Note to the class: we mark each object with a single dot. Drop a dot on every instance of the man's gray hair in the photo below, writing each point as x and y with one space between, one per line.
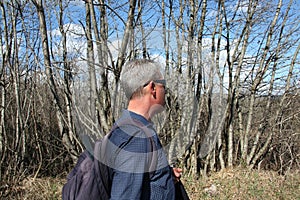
136 73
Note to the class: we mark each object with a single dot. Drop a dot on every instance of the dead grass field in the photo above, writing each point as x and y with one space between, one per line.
230 184
240 184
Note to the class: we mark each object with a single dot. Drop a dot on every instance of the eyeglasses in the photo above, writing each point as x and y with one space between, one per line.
163 82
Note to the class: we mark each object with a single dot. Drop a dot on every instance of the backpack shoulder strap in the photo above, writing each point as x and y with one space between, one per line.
148 132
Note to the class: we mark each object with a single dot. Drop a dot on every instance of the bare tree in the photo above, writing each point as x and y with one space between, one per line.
5 53
128 29
65 124
101 95
232 69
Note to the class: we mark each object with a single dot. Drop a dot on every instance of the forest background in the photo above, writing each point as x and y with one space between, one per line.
232 70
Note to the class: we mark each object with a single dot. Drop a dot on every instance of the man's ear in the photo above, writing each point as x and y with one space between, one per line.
153 89
152 84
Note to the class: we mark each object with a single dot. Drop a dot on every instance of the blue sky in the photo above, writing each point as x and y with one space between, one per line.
76 41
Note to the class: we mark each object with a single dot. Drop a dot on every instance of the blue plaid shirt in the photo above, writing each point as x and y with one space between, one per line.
135 171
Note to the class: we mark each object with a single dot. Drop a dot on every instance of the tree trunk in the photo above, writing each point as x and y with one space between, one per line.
128 29
263 66
50 78
166 36
94 100
102 96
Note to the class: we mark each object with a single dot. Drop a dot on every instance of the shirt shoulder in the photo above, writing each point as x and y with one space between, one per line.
130 138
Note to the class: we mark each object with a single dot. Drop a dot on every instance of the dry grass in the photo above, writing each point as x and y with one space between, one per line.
35 189
230 184
244 184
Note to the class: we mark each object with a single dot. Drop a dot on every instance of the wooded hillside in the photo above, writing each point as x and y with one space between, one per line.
232 71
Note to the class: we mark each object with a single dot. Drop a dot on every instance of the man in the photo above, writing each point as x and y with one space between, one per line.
138 165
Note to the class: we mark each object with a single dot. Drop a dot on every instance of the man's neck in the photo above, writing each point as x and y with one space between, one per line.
139 106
